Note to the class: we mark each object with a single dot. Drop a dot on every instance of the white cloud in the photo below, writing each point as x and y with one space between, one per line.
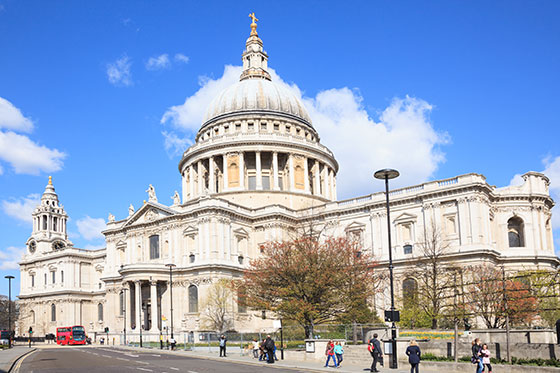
11 118
158 63
175 145
90 228
94 247
28 157
402 137
118 72
22 208
552 170
188 116
10 257
180 57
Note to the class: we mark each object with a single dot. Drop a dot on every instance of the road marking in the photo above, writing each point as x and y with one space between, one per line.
155 355
191 371
122 358
96 354
142 362
131 355
173 368
144 369
106 356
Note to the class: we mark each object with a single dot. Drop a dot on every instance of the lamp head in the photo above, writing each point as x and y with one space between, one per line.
9 277
386 173
170 265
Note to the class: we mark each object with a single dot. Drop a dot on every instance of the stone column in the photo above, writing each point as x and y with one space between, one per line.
153 306
200 178
325 182
225 173
138 305
259 171
331 184
128 305
275 171
191 180
316 179
241 171
291 170
212 176
305 175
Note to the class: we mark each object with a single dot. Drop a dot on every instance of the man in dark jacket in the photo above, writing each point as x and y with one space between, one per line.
374 348
223 342
269 345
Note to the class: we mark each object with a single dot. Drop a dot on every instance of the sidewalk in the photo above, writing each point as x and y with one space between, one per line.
234 355
9 356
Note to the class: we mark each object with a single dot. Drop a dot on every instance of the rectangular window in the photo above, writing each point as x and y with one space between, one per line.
266 182
45 278
154 247
276 127
252 182
407 249
32 280
44 223
55 221
62 277
263 127
53 277
238 127
250 127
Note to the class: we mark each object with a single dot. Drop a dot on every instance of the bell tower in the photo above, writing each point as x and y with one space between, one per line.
49 224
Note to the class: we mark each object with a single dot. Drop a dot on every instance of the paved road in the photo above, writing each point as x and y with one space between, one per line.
107 360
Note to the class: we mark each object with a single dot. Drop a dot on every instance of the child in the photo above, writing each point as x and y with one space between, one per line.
338 351
485 353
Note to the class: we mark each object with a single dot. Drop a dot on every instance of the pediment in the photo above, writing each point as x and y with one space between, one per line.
121 245
190 231
354 226
240 232
148 213
405 216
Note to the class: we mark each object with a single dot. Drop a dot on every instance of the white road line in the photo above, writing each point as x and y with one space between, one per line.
155 355
131 355
95 354
144 369
173 368
141 362
107 356
122 358
191 371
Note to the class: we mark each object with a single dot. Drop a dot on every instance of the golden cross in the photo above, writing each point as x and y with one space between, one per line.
252 15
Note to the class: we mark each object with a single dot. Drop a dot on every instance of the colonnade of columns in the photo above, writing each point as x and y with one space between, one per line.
258 170
137 312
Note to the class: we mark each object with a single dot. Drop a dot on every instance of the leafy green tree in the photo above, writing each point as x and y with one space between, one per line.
311 280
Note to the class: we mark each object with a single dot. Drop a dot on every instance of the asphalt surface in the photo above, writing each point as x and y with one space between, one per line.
98 359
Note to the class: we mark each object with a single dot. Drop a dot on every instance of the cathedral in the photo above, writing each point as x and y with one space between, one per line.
258 172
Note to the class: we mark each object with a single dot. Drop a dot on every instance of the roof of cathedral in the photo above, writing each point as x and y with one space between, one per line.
256 91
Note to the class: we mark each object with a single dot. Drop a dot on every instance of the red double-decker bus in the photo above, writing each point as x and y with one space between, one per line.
71 335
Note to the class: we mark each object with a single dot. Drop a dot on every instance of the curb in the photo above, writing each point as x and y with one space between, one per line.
20 357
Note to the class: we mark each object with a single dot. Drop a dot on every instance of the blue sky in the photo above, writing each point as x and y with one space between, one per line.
457 86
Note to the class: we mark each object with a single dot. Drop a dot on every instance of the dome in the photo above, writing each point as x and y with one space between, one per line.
258 95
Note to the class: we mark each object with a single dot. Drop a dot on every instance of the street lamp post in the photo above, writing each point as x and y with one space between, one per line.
124 314
387 174
171 265
143 306
9 310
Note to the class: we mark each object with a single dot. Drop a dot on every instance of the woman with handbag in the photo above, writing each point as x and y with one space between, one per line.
476 355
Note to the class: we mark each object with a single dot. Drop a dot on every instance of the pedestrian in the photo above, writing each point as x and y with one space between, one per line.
476 355
173 343
256 348
269 345
374 348
223 342
262 349
329 352
413 352
485 353
338 351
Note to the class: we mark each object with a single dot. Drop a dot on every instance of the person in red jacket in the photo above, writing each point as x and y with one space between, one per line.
329 351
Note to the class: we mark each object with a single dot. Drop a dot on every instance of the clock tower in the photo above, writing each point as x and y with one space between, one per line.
49 224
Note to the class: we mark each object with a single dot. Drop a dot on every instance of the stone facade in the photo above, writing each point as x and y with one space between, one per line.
256 173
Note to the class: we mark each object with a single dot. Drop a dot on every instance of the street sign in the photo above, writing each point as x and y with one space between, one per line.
392 316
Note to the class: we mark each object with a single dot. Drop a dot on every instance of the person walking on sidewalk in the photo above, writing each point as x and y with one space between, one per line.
270 346
413 352
477 356
338 351
223 342
374 348
256 347
485 353
329 352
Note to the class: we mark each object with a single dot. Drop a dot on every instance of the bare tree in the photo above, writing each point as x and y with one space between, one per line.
217 307
433 274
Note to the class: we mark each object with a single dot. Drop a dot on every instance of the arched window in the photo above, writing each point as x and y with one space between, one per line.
241 300
44 222
53 312
32 316
121 303
154 247
515 232
193 299
410 291
100 312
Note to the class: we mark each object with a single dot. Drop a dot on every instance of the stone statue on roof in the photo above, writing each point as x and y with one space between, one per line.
151 194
